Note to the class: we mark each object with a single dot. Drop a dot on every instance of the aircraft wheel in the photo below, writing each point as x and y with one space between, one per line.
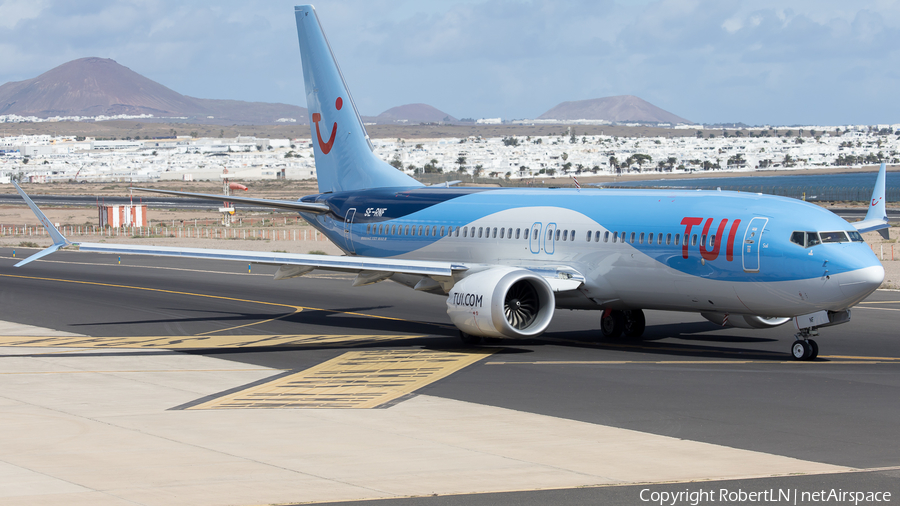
612 323
634 323
469 338
801 350
815 349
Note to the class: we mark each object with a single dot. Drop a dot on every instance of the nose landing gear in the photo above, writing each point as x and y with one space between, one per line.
805 348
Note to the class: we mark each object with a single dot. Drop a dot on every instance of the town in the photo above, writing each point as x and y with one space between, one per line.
511 160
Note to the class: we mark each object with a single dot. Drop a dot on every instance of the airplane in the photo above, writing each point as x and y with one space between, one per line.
505 258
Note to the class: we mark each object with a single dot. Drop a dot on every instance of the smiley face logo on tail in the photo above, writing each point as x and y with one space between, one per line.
316 117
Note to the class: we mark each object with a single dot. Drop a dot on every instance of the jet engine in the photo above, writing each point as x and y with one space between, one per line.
501 302
745 321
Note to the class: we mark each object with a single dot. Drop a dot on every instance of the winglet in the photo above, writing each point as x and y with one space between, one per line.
58 239
876 217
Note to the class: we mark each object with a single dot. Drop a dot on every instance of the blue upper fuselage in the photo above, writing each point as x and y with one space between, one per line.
398 222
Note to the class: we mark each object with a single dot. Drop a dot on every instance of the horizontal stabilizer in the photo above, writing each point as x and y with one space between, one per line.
290 205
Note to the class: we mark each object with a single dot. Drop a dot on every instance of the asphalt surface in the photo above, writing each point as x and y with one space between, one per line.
687 379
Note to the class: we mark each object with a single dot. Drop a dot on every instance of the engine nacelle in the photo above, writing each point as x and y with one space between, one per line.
501 302
745 321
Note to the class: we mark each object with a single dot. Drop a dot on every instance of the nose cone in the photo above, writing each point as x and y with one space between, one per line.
858 284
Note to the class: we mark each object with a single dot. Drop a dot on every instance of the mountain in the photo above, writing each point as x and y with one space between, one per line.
621 109
414 113
100 86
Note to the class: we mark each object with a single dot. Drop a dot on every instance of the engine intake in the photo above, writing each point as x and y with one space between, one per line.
501 302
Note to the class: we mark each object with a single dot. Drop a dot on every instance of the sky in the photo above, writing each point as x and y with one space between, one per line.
762 62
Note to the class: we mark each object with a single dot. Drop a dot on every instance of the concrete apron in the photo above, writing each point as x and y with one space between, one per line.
96 427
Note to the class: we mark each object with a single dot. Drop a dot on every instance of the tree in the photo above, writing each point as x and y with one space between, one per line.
510 141
565 156
396 163
461 161
572 138
613 163
551 172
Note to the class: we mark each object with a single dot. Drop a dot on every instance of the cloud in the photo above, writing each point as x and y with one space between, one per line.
760 61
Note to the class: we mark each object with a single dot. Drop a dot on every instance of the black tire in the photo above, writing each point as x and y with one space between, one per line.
635 323
815 349
469 338
801 350
612 324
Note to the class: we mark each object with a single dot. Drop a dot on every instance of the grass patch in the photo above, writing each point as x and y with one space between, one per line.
317 252
29 244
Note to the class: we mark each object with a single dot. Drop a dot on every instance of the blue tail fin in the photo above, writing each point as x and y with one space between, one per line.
344 157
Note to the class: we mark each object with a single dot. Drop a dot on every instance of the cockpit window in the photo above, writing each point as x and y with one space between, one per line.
834 236
855 236
812 239
799 238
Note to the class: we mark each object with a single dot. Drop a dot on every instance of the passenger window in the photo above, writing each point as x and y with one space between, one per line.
571 235
703 240
641 238
420 230
712 241
526 234
393 229
615 237
659 238
605 236
677 239
668 239
597 236
517 233
369 229
434 230
509 233
558 231
565 235
494 235
694 240
479 232
632 238
465 231
502 230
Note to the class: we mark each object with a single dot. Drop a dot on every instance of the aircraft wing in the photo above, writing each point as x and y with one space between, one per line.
435 274
290 205
876 217
326 262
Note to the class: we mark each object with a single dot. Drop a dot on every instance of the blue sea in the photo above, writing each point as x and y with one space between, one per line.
839 187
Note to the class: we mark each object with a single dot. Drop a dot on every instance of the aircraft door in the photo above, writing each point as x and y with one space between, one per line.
550 239
348 229
751 244
534 238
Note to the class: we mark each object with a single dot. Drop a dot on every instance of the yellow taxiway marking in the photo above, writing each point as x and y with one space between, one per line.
201 341
208 296
881 302
356 379
299 309
878 308
221 297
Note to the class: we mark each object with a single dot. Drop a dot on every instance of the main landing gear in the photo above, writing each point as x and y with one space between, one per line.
805 348
614 323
